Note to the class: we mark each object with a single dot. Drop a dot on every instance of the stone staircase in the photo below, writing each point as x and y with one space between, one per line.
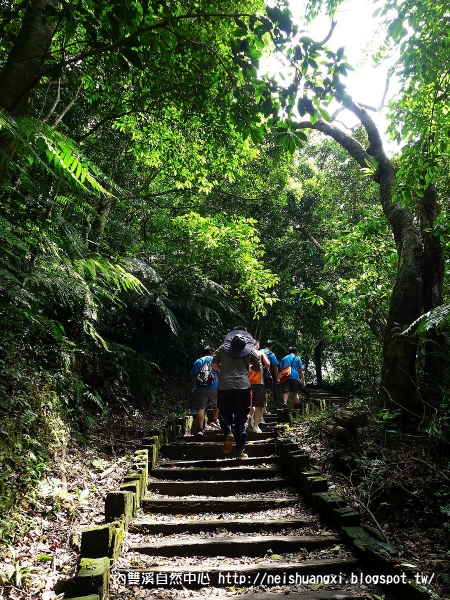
221 526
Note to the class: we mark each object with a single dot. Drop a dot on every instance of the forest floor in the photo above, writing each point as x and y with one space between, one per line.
399 485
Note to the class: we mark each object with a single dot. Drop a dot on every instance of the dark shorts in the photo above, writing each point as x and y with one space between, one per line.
204 397
258 395
291 385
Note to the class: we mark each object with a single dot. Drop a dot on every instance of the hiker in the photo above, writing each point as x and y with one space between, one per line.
234 396
206 382
296 376
273 369
258 389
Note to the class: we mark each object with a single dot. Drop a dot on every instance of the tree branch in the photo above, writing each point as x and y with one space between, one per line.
66 109
310 237
353 147
329 34
122 41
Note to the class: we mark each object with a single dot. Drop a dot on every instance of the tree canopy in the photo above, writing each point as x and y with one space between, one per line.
157 188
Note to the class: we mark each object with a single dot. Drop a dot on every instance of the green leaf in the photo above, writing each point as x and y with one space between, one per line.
240 33
274 13
241 24
132 56
324 114
44 557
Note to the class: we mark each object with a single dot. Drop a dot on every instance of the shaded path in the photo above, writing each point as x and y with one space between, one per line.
213 522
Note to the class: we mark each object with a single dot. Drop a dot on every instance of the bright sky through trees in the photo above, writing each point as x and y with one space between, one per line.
358 32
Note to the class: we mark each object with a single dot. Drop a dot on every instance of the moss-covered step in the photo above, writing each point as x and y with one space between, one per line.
250 462
210 435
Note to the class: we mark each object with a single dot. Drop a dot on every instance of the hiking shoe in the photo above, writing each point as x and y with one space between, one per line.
256 429
242 456
228 443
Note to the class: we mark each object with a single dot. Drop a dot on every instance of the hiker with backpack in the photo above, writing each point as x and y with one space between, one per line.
205 383
233 359
269 382
291 376
258 389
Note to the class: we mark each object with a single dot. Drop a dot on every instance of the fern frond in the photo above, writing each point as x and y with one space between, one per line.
90 330
112 273
143 270
10 242
437 317
54 153
168 316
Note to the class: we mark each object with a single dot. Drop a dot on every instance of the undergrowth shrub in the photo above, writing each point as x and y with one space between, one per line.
33 430
50 392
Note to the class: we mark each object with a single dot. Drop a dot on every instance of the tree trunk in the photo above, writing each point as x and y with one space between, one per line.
399 377
318 363
21 72
102 211
20 75
432 383
399 384
399 387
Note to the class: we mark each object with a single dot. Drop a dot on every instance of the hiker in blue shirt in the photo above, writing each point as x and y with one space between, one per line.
274 369
205 380
272 359
296 377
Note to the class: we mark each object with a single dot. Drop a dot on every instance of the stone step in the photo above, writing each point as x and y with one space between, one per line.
312 595
210 450
308 572
218 462
245 525
267 427
326 399
321 394
216 488
211 435
257 545
240 548
218 473
214 505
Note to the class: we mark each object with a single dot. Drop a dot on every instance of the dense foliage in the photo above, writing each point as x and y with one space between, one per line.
157 188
